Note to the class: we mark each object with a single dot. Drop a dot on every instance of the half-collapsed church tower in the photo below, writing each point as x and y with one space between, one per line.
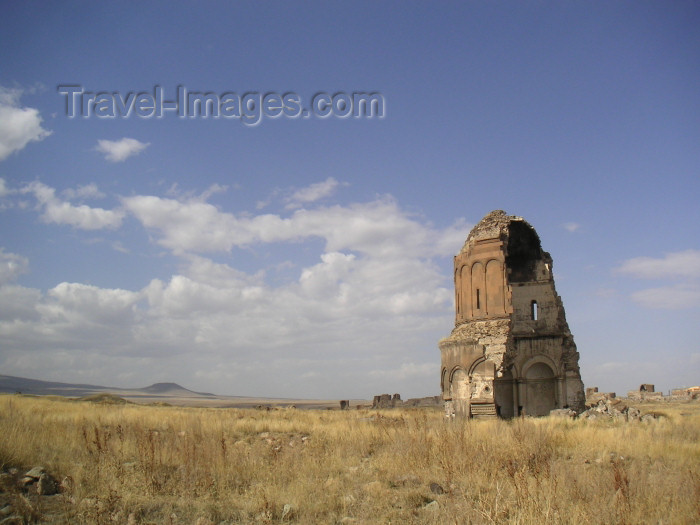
511 351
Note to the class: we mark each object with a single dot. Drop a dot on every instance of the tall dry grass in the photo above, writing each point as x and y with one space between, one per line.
146 464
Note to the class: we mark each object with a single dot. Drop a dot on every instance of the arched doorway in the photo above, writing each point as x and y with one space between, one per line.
459 392
540 389
503 394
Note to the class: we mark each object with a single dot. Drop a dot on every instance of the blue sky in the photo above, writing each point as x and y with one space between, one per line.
311 257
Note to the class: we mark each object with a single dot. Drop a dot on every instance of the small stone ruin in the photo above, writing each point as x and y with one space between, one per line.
387 401
645 392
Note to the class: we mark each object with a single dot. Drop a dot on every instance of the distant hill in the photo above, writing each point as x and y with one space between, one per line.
12 384
157 393
171 389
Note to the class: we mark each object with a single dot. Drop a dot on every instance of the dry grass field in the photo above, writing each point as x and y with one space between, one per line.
126 463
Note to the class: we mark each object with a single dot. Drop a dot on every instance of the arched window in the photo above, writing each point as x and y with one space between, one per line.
533 310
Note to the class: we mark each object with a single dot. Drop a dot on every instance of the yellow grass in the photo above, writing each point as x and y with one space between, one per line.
152 464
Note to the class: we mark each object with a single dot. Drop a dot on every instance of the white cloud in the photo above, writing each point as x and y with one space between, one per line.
4 189
379 227
120 150
18 304
669 297
18 125
91 302
88 191
605 293
672 265
571 227
409 370
212 190
682 267
373 296
11 266
63 212
312 193
118 246
212 317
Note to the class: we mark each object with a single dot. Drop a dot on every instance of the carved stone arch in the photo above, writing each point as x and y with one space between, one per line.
540 359
516 371
478 289
541 386
481 376
475 364
504 394
454 370
459 390
458 293
495 288
466 290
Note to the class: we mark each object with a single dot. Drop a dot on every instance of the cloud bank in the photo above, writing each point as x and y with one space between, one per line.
18 125
682 267
120 150
366 310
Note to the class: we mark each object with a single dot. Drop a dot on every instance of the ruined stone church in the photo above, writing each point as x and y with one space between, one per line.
511 351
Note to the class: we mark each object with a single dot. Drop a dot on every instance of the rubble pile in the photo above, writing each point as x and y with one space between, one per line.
612 408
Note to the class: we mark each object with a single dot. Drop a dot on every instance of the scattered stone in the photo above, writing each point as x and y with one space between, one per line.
287 511
598 396
46 486
563 413
26 481
410 480
436 488
35 473
66 485
432 506
612 409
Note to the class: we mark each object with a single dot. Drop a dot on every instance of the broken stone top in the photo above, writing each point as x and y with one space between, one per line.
496 225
